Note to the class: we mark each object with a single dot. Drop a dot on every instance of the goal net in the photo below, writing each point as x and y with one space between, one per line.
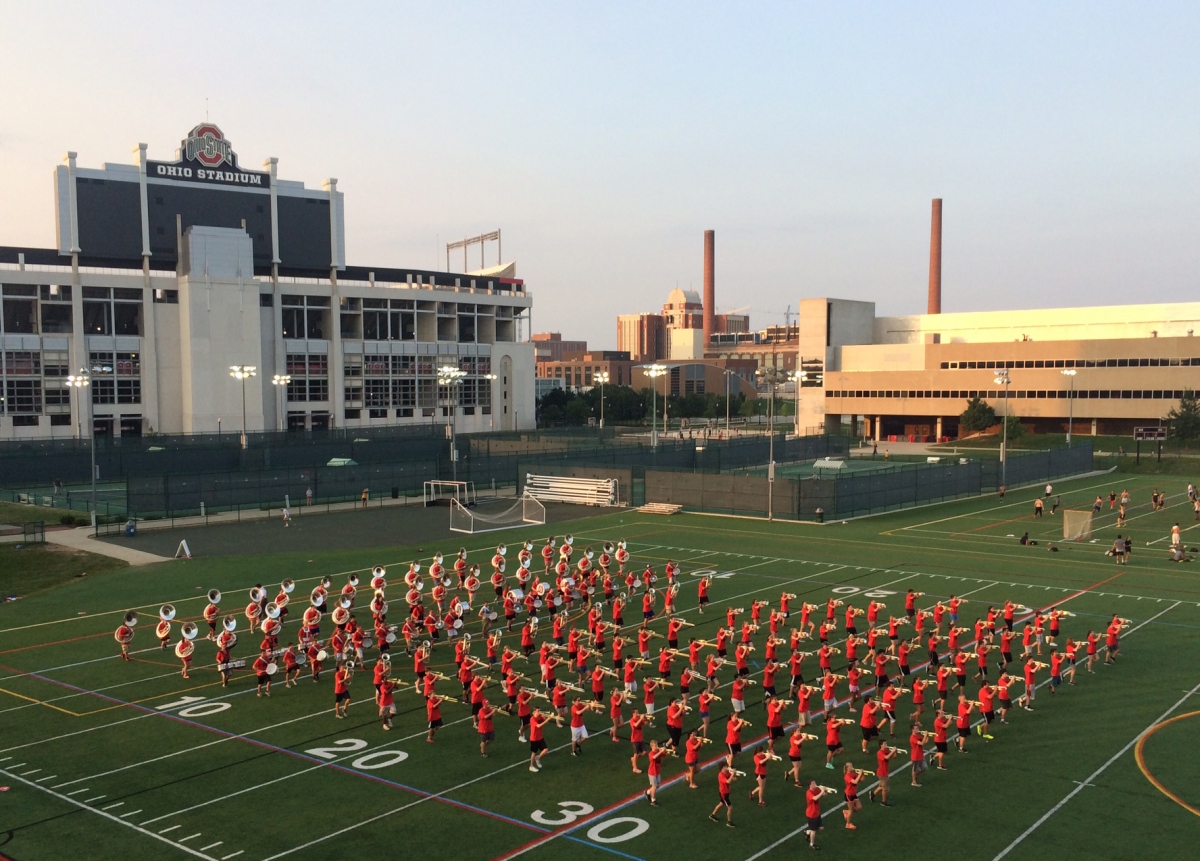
1077 525
443 492
490 516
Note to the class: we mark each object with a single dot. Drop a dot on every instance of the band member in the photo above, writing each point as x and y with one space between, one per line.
433 710
486 729
965 707
163 632
795 753
124 636
260 672
702 592
341 692
291 666
537 740
704 706
223 660
852 777
654 770
579 732
941 724
183 651
211 614
637 724
812 809
314 649
726 776
387 702
761 758
986 704
883 772
833 738
916 752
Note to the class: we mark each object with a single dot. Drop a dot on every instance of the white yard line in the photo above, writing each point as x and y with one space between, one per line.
108 816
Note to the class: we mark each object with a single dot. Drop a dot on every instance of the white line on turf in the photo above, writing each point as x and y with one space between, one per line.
169 830
131 813
1152 618
1035 826
190 837
211 846
108 816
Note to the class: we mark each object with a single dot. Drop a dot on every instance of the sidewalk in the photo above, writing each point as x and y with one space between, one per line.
81 539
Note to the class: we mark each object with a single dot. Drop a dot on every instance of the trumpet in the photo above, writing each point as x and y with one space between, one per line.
774 756
739 773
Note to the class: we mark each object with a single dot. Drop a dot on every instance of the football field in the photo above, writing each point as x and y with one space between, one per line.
106 759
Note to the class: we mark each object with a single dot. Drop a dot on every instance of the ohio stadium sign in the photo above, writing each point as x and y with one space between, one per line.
207 156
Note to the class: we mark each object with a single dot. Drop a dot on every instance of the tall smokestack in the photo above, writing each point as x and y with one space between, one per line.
710 288
935 259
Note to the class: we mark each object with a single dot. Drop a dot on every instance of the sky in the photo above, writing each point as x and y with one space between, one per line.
603 139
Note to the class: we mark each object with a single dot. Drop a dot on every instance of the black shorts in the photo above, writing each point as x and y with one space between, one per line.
775 732
537 746
639 747
524 720
944 695
940 745
834 748
793 758
512 700
881 682
890 715
344 696
962 680
911 612
1006 704
487 736
851 631
814 823
672 644
870 732
735 748
964 731
618 663
1007 656
434 724
768 690
989 716
904 670
703 600
797 680
676 733
722 652
263 679
743 671
724 796
475 708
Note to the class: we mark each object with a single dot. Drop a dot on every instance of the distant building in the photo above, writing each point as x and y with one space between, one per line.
550 346
580 370
676 333
642 336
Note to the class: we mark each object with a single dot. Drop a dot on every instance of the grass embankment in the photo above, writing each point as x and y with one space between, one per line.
38 567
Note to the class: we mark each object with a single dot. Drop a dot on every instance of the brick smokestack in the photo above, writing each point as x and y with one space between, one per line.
710 287
935 259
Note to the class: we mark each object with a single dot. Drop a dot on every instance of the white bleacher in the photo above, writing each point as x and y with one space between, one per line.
829 463
577 491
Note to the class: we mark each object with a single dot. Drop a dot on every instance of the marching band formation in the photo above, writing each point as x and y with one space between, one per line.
876 672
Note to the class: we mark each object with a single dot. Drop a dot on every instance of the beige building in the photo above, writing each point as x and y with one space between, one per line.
913 376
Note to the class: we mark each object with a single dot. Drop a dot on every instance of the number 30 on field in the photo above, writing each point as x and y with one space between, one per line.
572 810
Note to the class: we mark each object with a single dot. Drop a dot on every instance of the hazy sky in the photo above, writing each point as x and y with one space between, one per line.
604 138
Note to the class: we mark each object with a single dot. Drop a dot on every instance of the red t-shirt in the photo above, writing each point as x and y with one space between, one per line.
577 711
340 685
812 807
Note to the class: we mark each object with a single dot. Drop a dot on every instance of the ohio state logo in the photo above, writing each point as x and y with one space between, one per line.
207 145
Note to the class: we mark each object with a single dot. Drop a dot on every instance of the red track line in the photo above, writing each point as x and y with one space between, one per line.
53 643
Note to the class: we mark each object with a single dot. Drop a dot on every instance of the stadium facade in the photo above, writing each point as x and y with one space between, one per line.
167 273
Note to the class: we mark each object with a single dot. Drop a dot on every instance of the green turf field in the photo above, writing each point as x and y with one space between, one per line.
104 759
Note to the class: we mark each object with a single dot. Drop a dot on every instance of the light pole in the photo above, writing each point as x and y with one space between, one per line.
653 372
243 373
81 381
451 376
491 378
281 382
772 377
601 378
1002 379
1070 373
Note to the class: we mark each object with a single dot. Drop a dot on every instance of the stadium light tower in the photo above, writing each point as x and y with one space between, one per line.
654 371
243 373
772 377
1069 373
602 378
79 382
1003 379
281 382
451 376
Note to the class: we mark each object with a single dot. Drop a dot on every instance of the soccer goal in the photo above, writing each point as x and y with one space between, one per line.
444 492
490 516
1077 525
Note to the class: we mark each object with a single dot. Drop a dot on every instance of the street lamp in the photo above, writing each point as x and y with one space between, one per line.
451 376
82 380
654 371
772 377
1070 373
491 409
601 378
1002 379
281 382
242 373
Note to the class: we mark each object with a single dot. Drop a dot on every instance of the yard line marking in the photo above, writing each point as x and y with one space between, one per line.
211 846
233 855
1034 827
47 777
1152 618
131 813
97 798
189 837
27 773
83 694
168 830
77 792
111 806
82 805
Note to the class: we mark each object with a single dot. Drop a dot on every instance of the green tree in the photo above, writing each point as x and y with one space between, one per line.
1016 430
978 416
1184 420
578 411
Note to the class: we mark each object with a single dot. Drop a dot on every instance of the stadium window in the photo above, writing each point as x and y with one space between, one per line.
1142 363
1158 394
1042 394
945 366
1126 394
